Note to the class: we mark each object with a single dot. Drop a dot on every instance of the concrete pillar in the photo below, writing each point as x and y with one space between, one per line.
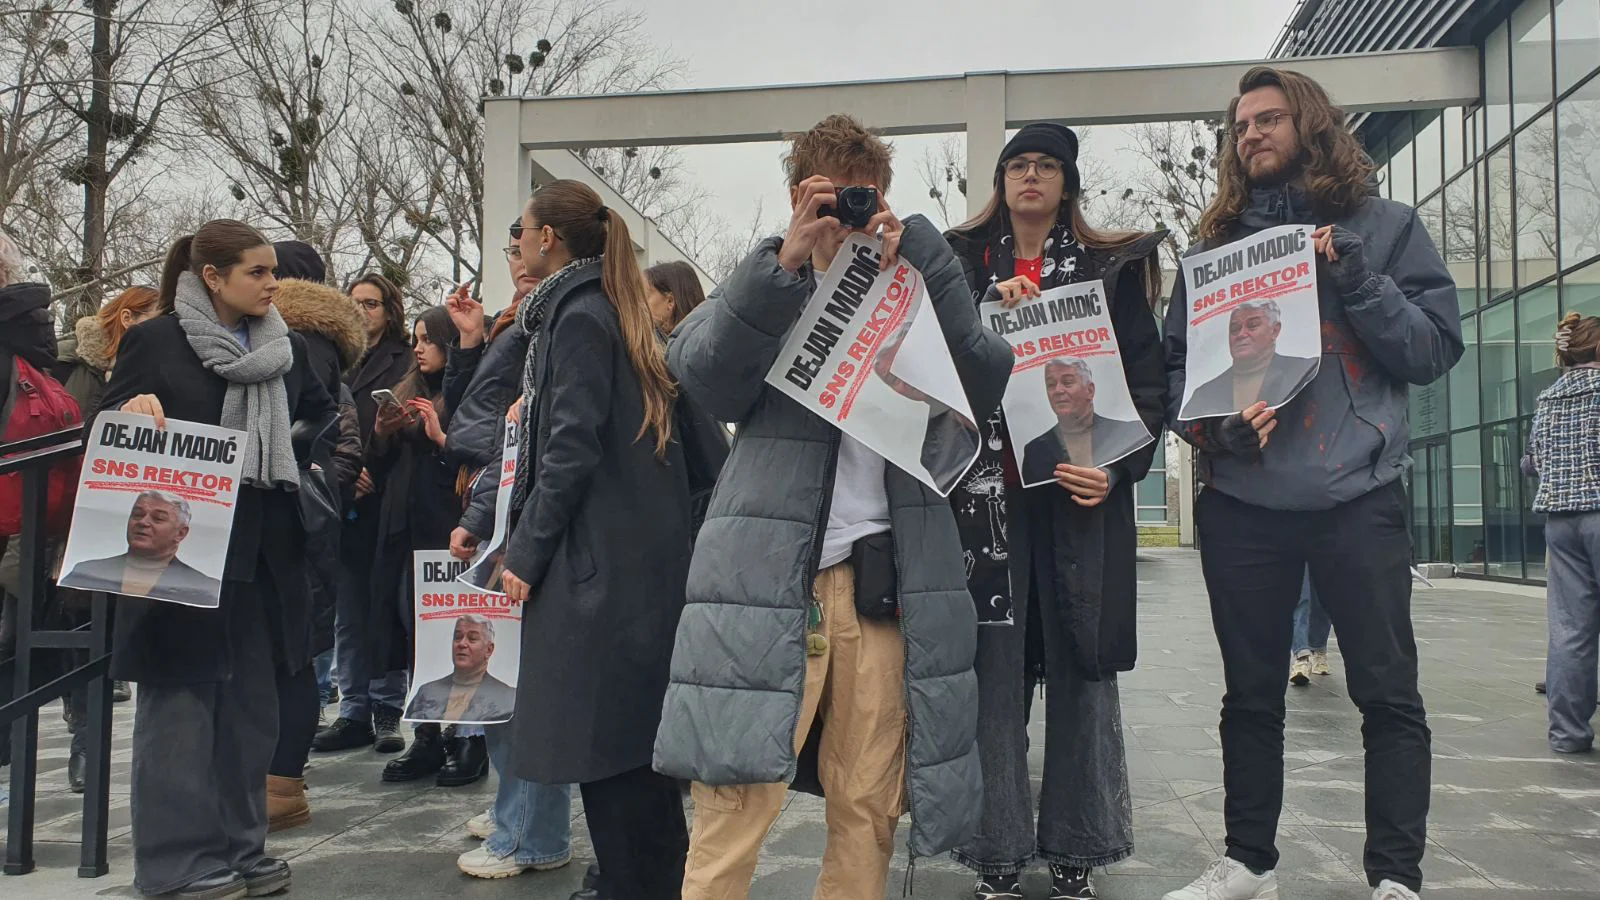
986 134
507 175
1183 461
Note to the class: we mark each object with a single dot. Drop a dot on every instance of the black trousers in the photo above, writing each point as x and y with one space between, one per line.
640 838
1360 555
298 705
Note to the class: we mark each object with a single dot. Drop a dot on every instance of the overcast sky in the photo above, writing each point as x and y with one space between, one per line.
759 42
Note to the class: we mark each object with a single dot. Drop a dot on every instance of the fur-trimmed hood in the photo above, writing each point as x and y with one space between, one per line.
88 345
318 308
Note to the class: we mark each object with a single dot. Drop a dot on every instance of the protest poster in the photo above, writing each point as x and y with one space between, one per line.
1067 400
867 356
154 512
1255 333
488 566
468 645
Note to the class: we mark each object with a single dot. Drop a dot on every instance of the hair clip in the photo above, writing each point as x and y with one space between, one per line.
1564 338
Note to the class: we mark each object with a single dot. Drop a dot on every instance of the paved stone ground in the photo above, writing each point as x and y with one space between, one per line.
1510 818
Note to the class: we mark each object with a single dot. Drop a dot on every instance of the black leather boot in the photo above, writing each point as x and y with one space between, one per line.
466 761
266 876
423 758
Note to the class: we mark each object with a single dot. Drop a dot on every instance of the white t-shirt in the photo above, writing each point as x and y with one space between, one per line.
860 504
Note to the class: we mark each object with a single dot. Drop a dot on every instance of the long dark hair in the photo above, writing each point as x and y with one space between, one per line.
677 280
574 211
996 215
394 309
1338 173
435 321
218 243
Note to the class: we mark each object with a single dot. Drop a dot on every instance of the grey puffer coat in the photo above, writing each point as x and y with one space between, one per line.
738 670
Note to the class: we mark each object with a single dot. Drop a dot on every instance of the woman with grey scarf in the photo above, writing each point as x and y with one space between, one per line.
207 715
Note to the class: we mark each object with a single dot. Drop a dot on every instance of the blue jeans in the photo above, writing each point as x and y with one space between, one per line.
1311 625
324 667
532 821
359 688
1574 602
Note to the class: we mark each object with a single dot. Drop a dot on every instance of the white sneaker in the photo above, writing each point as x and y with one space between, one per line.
480 863
1229 879
481 826
1319 663
1300 672
1389 890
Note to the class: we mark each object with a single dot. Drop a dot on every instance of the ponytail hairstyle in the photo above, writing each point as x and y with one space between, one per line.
574 211
677 280
218 243
1578 340
137 300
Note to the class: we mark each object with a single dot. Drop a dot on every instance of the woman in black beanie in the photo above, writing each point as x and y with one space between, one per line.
1055 584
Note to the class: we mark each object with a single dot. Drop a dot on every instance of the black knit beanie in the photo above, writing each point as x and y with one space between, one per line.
1053 140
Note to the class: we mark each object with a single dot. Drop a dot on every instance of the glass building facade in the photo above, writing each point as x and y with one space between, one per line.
1510 192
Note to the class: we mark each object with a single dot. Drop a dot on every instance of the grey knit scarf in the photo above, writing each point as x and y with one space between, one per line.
530 315
256 401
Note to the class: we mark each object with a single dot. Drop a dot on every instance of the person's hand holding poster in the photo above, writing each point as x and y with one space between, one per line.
468 647
154 512
862 358
488 565
1067 400
1255 333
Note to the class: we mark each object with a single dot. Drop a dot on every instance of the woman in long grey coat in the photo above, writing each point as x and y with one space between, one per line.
600 549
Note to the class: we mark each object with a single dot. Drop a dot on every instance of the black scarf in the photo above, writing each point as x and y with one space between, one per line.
979 500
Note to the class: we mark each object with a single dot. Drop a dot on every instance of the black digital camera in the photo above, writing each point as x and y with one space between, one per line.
857 206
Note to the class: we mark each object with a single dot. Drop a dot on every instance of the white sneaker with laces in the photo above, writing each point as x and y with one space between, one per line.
482 825
1228 879
1389 890
480 863
1319 663
1300 671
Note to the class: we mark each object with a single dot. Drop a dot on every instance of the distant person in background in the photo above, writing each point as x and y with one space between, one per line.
672 289
371 691
1564 444
1311 630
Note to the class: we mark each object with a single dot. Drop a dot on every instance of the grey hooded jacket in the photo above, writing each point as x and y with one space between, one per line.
738 669
1346 433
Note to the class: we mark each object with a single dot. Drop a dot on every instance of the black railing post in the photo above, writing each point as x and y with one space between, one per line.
25 730
97 774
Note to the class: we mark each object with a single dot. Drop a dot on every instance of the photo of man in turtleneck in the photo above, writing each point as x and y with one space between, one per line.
469 694
1080 436
1259 372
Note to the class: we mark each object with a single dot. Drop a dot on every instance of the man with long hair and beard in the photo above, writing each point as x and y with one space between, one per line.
1318 481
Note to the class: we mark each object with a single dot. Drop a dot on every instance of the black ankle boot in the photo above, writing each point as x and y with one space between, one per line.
425 756
466 761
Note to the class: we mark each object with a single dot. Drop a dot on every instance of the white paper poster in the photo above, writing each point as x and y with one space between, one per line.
468 647
487 566
154 512
1255 333
867 355
1067 400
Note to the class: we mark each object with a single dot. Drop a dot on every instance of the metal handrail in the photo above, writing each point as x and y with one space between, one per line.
33 459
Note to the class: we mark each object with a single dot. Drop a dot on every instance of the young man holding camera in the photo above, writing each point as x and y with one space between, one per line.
779 674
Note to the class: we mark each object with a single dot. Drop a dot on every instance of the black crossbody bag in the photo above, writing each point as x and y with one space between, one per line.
877 582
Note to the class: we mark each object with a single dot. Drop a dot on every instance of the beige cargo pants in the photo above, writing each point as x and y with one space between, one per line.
857 687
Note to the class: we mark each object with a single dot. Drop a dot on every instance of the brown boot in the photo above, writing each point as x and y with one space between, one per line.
286 803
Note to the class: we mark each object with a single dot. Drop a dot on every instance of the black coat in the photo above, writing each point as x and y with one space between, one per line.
1084 559
603 538
383 366
1285 376
164 643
